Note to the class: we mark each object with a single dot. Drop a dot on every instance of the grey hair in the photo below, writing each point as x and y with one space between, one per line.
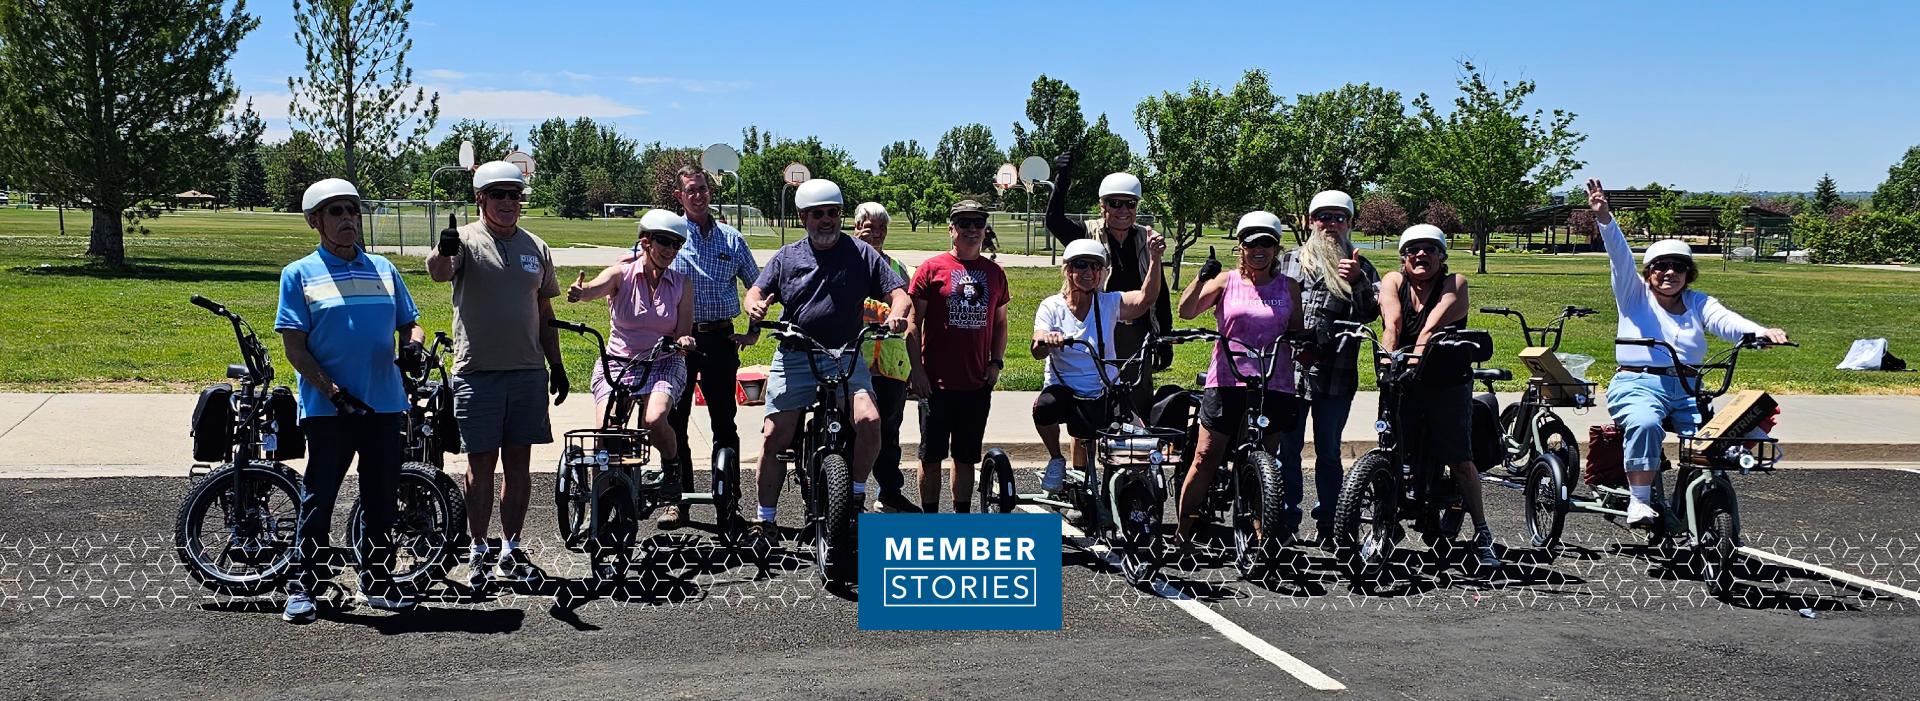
873 211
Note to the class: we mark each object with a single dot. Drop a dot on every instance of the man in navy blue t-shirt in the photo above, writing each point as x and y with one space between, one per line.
340 310
822 284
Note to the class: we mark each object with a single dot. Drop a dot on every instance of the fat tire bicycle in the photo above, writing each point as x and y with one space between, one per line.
430 517
238 523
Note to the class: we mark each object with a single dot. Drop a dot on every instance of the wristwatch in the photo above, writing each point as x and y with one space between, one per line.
997 364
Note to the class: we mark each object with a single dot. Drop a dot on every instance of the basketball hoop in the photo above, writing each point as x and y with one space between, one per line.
1007 178
524 161
796 173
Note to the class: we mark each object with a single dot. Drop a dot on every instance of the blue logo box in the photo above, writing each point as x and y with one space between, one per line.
959 572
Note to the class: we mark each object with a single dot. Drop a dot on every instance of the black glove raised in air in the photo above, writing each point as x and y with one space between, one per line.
450 239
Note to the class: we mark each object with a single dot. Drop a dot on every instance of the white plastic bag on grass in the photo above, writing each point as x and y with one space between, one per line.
1864 355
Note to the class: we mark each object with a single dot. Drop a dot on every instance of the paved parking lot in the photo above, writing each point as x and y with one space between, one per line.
93 604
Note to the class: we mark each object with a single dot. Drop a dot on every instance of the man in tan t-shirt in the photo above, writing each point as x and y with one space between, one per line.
506 358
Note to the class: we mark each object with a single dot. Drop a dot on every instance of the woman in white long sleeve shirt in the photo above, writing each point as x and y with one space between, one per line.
1656 301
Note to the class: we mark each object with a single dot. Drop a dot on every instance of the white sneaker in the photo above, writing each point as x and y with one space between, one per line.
1055 474
1641 515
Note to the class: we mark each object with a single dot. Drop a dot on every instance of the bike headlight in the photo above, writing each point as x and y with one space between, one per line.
833 427
1155 457
1260 421
601 457
1381 426
1747 461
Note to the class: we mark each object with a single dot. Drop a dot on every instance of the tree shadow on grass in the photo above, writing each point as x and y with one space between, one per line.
164 269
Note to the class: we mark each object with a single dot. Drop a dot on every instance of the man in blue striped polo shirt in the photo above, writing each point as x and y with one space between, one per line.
341 309
714 258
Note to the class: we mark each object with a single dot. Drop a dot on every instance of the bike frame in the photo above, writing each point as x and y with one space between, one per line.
826 430
1527 435
1431 484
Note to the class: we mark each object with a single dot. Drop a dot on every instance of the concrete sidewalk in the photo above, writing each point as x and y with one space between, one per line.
124 435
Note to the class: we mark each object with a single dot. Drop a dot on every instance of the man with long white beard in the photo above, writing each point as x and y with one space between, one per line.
1336 284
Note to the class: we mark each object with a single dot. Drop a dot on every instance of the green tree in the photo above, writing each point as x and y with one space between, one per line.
1344 139
1901 191
968 158
663 164
354 97
1826 195
1189 142
119 104
246 184
900 149
912 188
1489 157
292 165
766 156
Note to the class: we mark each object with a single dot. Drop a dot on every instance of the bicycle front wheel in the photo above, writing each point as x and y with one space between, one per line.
237 527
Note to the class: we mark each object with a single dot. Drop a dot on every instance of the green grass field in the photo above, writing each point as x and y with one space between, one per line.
65 325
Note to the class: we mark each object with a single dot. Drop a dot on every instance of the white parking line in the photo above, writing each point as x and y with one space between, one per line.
1829 572
1266 651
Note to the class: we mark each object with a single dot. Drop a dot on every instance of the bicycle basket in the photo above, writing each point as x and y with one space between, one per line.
290 440
212 427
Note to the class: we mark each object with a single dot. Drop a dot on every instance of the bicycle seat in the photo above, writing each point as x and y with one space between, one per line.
1492 374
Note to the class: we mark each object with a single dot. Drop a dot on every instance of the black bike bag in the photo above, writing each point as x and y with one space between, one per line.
212 428
284 409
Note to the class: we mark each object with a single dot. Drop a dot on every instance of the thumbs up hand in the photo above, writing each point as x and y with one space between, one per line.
1211 268
1350 265
578 288
450 238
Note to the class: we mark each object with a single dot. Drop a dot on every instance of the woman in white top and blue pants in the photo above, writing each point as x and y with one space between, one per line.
1656 301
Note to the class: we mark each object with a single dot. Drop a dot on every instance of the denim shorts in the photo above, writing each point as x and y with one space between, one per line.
791 383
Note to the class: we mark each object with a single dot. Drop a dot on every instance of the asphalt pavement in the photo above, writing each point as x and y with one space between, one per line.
93 604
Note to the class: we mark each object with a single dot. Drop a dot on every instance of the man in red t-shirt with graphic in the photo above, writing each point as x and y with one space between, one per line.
956 347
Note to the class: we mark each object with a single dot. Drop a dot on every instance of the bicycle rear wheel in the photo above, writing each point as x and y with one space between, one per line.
429 526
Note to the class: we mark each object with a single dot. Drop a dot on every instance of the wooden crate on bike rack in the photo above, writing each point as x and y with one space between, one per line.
1557 386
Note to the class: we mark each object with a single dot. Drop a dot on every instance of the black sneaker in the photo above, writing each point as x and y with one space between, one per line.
896 503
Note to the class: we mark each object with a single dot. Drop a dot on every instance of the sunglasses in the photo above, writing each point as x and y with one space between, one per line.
970 223
1084 265
1671 266
1121 203
1416 250
824 213
1330 218
503 194
1262 242
667 241
343 210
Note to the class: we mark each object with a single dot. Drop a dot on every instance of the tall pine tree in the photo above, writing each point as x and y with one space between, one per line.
118 104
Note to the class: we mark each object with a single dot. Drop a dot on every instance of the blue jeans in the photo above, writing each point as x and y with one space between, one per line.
1639 402
1329 419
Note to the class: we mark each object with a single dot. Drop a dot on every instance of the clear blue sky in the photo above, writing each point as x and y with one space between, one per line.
1761 95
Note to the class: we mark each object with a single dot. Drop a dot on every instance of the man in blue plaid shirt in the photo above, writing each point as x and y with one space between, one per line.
714 258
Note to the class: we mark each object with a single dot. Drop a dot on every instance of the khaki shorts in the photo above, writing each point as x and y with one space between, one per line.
501 408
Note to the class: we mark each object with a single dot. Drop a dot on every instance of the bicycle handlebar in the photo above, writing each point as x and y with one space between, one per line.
209 305
565 325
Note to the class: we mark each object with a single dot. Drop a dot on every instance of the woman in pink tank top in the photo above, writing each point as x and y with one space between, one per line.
1253 305
647 301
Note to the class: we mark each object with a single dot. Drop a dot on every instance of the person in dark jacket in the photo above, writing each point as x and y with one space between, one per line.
1119 230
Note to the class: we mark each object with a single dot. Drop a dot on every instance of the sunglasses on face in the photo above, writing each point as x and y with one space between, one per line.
1330 218
1670 266
970 223
833 213
503 194
343 210
666 241
1121 203
1081 266
1262 242
1417 250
